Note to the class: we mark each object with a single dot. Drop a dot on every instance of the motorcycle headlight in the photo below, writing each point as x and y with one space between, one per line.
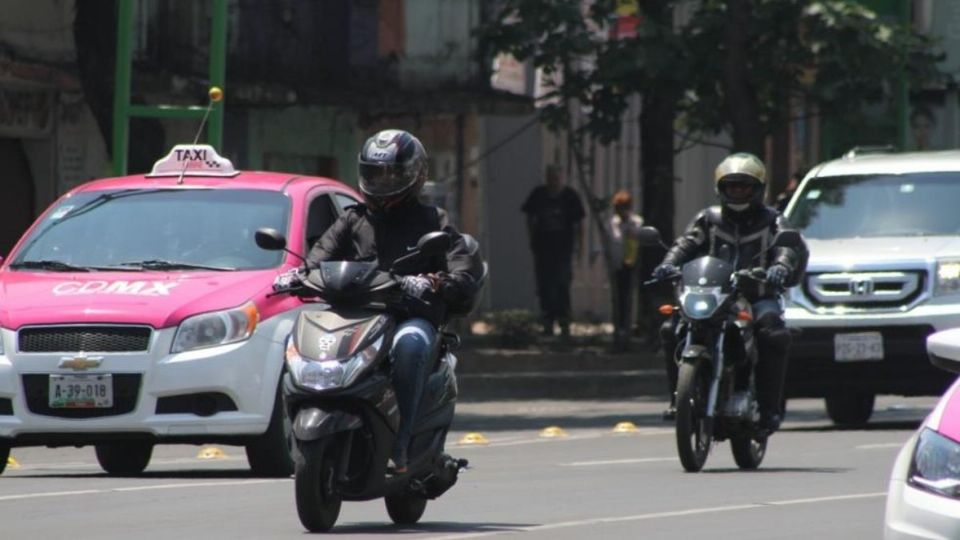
948 277
329 374
936 465
216 328
700 302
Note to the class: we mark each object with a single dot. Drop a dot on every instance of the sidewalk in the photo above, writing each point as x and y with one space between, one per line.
584 369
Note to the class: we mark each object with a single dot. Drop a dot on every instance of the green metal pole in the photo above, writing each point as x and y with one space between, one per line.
218 70
121 92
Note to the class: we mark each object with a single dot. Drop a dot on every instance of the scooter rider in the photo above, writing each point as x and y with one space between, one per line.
392 167
741 231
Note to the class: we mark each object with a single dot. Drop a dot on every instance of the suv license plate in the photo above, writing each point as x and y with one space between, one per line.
81 391
858 347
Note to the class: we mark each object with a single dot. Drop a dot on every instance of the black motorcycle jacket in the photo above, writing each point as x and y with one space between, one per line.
743 239
363 235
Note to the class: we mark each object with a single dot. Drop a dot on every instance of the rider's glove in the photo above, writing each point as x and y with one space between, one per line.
416 286
665 271
288 280
777 274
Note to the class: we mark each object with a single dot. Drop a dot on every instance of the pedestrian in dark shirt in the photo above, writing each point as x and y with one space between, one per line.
554 217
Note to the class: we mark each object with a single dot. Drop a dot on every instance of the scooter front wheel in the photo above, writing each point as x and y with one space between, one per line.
694 429
318 502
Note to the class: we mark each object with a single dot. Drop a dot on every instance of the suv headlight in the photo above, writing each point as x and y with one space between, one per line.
935 466
948 277
329 374
216 328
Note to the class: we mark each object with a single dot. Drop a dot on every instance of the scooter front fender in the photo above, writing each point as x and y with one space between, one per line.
312 423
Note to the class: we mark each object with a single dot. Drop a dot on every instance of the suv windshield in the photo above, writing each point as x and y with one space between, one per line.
919 204
162 229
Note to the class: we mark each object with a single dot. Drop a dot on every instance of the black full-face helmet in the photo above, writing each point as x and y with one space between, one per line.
393 167
741 180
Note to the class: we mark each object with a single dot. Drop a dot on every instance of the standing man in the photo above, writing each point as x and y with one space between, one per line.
625 250
554 217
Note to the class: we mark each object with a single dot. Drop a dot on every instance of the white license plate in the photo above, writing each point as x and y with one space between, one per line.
81 391
858 347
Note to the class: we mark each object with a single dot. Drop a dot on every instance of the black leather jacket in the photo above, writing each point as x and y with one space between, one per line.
362 235
742 238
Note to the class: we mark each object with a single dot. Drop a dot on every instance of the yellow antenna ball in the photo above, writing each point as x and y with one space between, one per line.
216 94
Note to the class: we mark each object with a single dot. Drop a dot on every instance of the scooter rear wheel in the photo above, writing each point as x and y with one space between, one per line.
318 503
694 429
405 509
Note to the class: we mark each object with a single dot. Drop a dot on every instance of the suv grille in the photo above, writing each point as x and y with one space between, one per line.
84 338
866 290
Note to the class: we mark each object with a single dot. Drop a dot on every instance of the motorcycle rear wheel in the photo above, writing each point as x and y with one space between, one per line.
405 509
748 451
694 429
318 503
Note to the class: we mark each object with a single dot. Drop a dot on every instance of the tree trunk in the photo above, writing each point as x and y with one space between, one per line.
741 96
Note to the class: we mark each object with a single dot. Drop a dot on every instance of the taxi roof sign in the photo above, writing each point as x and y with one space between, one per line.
193 160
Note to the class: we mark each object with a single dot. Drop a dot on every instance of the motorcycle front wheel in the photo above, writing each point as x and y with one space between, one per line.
748 451
318 503
694 430
406 508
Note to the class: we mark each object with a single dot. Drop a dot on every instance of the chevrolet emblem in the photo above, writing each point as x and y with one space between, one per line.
80 363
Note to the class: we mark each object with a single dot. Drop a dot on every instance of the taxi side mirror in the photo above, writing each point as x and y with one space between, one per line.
270 239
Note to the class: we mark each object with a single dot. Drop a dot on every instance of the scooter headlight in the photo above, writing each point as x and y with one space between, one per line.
936 465
329 374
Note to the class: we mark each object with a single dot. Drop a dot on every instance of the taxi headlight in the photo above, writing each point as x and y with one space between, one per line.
216 328
948 277
329 374
935 466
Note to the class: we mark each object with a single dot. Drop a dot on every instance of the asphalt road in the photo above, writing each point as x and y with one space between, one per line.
816 482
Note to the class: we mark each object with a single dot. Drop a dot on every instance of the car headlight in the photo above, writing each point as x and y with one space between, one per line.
216 328
329 374
948 277
936 465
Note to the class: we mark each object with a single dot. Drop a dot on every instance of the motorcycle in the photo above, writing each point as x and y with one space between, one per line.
338 395
716 396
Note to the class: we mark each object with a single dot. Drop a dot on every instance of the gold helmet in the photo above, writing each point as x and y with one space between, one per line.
743 170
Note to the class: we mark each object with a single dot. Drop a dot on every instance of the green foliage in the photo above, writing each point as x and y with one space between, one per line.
513 328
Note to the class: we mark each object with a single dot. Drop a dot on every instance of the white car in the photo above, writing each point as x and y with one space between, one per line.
923 498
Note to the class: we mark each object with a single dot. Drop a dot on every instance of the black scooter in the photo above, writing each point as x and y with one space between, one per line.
338 394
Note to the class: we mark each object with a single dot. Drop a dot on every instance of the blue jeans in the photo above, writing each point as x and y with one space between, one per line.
411 349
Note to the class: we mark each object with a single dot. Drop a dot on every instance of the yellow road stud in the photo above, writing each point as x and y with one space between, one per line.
211 452
474 438
553 432
12 463
625 427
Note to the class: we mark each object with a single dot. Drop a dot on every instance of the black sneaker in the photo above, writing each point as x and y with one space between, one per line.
395 469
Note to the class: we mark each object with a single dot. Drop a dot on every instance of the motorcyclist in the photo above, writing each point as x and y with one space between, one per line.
392 167
741 231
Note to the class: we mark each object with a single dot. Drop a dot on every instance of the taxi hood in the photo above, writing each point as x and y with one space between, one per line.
157 299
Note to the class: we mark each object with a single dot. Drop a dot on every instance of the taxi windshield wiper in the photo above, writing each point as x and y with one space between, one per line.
55 266
160 264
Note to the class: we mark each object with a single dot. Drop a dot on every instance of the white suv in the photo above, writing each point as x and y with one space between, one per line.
884 236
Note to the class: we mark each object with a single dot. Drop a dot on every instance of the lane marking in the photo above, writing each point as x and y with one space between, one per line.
62 465
141 488
663 515
617 462
879 446
512 442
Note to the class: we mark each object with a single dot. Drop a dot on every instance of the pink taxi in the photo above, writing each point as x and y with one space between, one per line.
137 311
923 498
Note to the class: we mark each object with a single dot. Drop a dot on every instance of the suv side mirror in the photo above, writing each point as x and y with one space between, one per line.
944 349
270 239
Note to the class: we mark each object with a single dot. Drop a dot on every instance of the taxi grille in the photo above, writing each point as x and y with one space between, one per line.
84 338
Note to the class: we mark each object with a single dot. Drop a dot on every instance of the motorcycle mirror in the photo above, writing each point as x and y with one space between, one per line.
944 350
270 239
434 243
649 236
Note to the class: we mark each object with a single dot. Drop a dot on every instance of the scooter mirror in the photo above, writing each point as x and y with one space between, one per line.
434 243
649 236
270 239
944 349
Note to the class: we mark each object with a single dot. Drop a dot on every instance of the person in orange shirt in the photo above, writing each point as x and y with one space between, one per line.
624 227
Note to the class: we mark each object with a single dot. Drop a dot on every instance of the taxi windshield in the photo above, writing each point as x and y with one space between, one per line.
917 204
156 229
